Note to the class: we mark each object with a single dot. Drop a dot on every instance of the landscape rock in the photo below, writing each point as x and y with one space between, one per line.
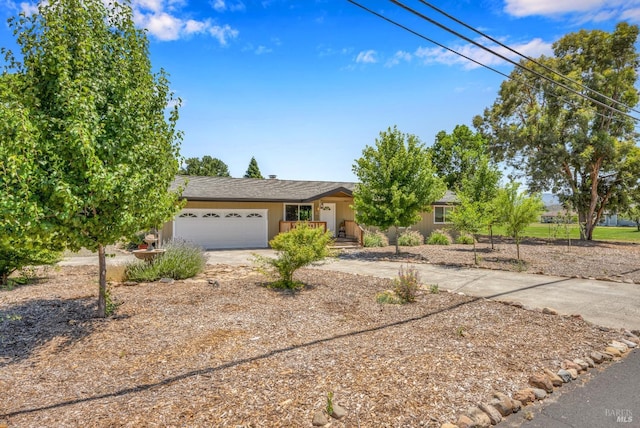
589 361
167 280
338 412
607 356
549 311
614 352
525 396
582 363
597 357
573 373
492 412
568 364
629 343
480 418
541 382
554 378
540 394
465 421
320 419
517 405
448 425
502 403
619 346
564 375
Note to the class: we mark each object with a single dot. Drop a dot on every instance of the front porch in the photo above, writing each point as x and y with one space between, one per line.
349 234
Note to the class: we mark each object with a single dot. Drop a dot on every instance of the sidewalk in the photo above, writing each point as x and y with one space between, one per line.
609 304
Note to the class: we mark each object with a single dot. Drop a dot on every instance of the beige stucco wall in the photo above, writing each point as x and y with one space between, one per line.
275 212
425 226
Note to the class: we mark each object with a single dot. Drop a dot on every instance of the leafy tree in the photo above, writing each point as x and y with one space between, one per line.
397 182
633 213
253 171
517 211
455 155
105 150
26 237
579 148
296 249
208 166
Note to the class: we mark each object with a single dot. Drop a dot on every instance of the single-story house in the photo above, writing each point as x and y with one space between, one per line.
223 212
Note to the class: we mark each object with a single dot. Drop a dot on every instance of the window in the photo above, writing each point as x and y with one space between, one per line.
441 214
254 215
188 215
233 215
298 212
210 215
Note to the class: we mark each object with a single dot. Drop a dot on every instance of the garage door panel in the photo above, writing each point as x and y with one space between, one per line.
223 228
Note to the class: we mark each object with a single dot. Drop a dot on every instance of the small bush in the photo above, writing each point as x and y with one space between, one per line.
180 260
464 239
388 296
296 248
375 239
407 284
439 237
410 238
434 289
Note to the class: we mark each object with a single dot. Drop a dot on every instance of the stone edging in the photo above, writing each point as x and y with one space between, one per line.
500 405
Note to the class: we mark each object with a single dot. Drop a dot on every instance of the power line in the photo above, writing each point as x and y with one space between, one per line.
464 24
467 39
458 53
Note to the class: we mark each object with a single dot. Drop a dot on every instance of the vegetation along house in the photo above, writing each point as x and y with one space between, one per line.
223 212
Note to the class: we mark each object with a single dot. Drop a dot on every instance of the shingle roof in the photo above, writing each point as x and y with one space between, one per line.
268 190
252 189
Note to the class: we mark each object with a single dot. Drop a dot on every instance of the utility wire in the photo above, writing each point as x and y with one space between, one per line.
456 52
467 39
510 49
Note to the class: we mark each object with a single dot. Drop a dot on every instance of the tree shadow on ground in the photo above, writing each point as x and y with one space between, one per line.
30 325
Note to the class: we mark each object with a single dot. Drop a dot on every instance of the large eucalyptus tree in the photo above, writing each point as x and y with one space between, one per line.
578 142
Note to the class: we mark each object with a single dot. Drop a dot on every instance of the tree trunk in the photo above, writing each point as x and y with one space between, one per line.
102 287
638 226
517 239
491 236
397 236
4 277
475 254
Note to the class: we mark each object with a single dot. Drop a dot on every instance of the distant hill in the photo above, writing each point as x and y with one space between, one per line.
549 200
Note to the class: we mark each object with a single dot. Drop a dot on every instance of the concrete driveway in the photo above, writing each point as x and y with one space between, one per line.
604 303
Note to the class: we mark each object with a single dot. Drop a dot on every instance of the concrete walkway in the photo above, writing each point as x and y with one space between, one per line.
604 303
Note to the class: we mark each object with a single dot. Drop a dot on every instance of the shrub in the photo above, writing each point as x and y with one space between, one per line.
180 260
407 284
375 239
434 289
439 237
296 248
388 296
464 239
410 238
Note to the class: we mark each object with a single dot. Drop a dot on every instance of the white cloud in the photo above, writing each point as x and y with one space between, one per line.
367 57
223 33
398 57
163 21
260 50
224 5
580 10
533 48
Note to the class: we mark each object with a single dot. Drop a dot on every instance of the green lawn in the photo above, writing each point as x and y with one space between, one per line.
601 233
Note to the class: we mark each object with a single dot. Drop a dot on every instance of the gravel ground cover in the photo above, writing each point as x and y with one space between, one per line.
223 350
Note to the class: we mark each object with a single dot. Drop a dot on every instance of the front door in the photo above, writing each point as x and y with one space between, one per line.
328 215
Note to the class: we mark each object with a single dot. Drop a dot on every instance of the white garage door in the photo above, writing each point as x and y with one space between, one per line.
228 228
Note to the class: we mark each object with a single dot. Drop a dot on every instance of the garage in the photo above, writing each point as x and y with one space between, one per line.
223 228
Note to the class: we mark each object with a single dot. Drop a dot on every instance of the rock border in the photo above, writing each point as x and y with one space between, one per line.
501 405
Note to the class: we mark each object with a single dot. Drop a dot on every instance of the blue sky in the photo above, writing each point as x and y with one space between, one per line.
305 85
